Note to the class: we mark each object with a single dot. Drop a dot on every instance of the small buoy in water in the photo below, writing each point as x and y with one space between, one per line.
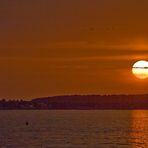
27 123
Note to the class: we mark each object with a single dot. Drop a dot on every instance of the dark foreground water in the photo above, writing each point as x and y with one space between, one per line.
74 129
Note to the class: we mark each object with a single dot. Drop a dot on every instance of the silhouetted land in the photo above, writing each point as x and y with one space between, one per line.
80 102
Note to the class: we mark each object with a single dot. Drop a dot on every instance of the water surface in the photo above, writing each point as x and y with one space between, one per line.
74 129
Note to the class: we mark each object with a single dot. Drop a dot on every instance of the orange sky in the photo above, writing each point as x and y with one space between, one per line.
60 47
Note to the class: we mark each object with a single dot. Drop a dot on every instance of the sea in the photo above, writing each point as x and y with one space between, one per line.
73 129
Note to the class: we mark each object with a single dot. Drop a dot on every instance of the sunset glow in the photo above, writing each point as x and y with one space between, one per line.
54 47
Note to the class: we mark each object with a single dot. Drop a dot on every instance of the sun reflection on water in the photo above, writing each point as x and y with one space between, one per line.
139 133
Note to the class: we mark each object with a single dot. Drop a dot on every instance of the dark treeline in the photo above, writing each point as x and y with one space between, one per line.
80 102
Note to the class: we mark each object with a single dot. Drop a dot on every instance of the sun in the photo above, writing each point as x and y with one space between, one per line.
140 69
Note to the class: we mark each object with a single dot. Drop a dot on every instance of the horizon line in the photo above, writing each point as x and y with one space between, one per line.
16 99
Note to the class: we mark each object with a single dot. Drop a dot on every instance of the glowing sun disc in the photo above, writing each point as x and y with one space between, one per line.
140 69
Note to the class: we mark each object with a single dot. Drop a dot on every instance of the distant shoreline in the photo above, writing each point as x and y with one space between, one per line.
80 102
